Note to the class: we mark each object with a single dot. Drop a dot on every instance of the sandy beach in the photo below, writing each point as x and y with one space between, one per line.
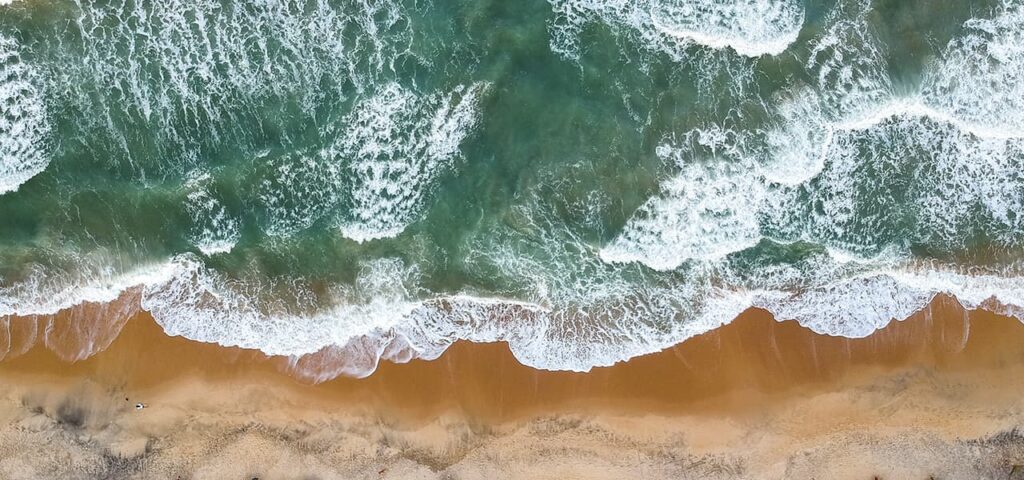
934 396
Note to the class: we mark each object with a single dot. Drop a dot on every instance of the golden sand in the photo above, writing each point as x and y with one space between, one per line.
937 395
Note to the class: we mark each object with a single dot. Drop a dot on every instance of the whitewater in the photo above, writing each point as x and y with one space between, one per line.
593 181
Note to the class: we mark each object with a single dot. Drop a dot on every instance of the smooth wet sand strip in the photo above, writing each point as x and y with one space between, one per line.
936 395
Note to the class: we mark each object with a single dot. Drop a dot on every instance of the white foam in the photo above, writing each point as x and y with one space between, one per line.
706 217
862 172
214 229
981 80
197 71
299 190
957 182
46 291
389 325
396 145
957 166
917 107
751 28
382 315
379 313
23 123
858 306
972 88
848 67
596 315
390 151
706 212
799 146
200 304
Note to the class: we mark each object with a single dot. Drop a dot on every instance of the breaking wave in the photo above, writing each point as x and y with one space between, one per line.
751 28
23 123
856 168
384 315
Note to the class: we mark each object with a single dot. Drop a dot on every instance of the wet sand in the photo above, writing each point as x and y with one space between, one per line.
938 395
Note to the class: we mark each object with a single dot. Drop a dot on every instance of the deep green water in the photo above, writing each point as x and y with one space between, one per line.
587 179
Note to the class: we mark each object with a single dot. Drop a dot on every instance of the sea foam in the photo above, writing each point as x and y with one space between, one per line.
751 28
707 211
373 179
849 164
214 230
383 319
395 146
23 123
196 75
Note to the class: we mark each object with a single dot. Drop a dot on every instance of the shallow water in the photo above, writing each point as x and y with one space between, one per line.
589 180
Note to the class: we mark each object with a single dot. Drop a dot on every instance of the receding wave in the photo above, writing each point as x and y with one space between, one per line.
381 316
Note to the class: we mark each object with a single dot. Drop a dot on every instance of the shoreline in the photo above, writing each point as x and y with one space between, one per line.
936 394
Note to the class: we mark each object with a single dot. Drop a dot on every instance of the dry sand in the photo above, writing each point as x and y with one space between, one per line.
936 396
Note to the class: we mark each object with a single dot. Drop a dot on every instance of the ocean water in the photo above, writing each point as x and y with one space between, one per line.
588 180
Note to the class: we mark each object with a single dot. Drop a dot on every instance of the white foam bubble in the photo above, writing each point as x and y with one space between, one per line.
380 315
856 307
850 144
200 304
594 313
389 152
850 80
23 123
702 217
864 173
383 316
910 177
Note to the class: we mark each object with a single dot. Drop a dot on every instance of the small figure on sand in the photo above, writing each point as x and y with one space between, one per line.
140 406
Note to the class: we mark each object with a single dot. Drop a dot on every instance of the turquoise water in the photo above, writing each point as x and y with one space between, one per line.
589 180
